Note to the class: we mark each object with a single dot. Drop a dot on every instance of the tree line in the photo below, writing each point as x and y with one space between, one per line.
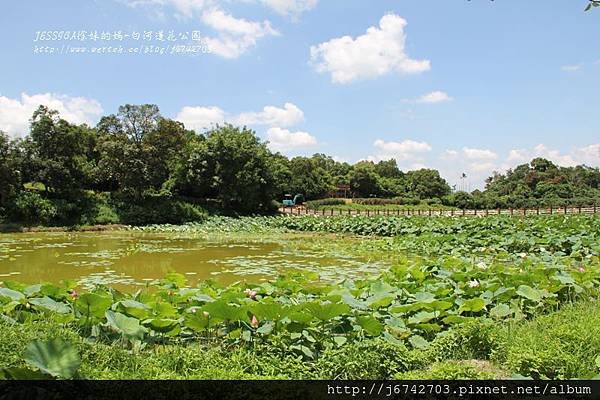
139 167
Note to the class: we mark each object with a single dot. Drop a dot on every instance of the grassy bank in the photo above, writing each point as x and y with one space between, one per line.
563 344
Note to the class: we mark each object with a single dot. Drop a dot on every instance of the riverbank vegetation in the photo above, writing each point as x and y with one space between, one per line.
137 167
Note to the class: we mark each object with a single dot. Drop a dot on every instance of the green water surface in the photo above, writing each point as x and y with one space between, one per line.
133 259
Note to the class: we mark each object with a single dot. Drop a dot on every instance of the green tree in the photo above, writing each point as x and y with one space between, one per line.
541 182
138 120
162 148
309 179
10 176
364 181
279 165
426 184
139 150
122 166
61 153
231 165
388 169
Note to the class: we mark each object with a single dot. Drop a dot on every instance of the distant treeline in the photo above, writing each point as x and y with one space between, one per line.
138 167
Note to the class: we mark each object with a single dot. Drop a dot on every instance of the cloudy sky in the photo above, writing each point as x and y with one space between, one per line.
461 86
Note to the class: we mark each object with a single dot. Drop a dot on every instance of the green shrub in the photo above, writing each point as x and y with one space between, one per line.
383 202
371 359
86 208
31 208
105 214
475 340
159 210
69 212
316 204
432 202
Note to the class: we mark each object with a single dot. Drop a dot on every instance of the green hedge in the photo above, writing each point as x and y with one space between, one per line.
316 204
158 210
382 201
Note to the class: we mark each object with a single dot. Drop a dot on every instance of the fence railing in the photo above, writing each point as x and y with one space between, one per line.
332 211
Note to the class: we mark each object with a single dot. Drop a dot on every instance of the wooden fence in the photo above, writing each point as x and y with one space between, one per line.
327 212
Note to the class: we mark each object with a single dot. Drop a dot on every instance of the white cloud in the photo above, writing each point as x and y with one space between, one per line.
282 139
200 118
416 166
340 159
235 35
226 23
565 160
480 167
379 51
571 68
521 156
517 156
15 113
405 151
289 115
290 7
589 155
434 97
405 147
479 154
450 154
477 164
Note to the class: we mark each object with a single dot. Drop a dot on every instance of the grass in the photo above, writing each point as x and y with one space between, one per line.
562 344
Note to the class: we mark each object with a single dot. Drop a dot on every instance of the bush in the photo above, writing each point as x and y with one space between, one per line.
432 202
371 359
105 214
31 208
86 208
393 201
315 204
475 340
159 210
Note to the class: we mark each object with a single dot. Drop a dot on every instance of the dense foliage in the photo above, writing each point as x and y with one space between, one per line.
539 183
132 165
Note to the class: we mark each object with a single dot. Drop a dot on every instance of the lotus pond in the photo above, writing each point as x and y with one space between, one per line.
307 297
132 259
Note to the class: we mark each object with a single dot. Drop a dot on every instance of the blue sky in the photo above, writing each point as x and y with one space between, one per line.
449 84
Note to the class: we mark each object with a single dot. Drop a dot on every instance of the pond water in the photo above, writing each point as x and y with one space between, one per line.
130 259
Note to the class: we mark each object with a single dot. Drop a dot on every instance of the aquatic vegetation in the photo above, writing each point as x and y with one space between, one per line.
411 283
412 303
573 234
46 360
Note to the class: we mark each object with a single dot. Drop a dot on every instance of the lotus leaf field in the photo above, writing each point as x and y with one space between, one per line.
461 298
